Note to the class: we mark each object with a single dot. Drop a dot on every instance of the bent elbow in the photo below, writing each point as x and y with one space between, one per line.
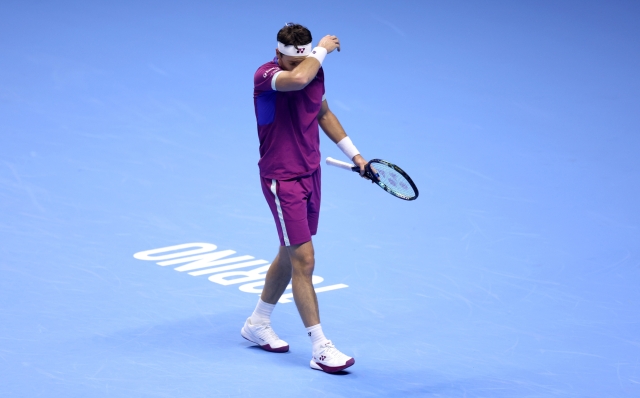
323 116
301 81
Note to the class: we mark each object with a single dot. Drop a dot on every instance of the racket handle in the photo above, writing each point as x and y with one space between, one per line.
337 163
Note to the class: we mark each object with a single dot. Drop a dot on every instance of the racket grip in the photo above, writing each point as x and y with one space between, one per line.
337 163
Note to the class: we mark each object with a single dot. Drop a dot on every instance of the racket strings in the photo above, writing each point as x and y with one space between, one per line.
393 180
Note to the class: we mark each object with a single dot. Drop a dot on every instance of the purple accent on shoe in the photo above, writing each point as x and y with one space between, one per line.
267 347
333 369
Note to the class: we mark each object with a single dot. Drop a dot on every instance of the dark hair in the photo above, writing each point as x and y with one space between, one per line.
295 35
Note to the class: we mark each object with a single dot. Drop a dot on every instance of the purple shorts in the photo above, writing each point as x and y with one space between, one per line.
295 205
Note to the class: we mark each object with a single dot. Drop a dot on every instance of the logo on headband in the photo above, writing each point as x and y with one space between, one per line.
291 50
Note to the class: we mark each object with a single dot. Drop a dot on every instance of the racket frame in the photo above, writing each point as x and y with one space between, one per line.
374 177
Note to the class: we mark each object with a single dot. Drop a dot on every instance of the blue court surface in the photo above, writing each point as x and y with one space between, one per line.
127 128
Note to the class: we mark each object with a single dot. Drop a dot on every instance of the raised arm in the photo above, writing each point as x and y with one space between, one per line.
303 69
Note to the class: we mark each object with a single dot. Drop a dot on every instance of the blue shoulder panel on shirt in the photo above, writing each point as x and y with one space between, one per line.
266 105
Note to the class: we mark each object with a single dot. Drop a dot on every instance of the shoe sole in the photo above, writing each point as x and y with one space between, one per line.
331 369
266 347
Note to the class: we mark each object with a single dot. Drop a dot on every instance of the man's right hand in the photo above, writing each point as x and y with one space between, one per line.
330 43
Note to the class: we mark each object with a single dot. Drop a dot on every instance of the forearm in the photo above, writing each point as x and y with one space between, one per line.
306 71
333 129
302 74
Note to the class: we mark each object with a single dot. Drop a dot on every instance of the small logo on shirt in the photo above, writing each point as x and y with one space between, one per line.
265 74
309 333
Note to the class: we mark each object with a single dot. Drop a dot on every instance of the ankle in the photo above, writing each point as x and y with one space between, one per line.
262 313
317 336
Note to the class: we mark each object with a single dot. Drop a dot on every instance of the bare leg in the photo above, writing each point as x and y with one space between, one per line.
302 262
257 328
278 277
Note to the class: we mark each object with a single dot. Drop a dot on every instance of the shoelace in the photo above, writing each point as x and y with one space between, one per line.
329 350
266 333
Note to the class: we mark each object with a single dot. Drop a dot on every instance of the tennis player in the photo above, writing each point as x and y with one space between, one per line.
290 104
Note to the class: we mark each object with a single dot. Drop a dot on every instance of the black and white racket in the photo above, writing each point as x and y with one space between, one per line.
387 175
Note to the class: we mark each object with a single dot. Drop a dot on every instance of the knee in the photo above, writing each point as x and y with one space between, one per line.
305 264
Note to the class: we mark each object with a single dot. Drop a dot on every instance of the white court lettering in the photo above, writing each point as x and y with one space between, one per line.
199 264
228 267
286 298
253 286
207 256
149 254
203 259
246 276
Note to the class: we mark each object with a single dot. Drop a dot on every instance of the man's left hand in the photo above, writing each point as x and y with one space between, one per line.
360 162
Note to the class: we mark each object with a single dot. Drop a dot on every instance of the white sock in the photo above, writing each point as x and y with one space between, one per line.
262 313
317 337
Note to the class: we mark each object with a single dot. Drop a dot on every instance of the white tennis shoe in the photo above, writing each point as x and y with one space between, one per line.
263 336
328 359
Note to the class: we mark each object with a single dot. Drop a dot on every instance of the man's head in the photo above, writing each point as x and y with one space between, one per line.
297 36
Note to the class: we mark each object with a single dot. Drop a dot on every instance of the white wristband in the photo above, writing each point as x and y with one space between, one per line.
347 147
318 53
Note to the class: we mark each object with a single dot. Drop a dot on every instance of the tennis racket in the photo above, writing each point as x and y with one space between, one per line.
387 175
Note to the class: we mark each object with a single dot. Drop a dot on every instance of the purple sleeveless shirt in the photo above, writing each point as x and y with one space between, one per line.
287 125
